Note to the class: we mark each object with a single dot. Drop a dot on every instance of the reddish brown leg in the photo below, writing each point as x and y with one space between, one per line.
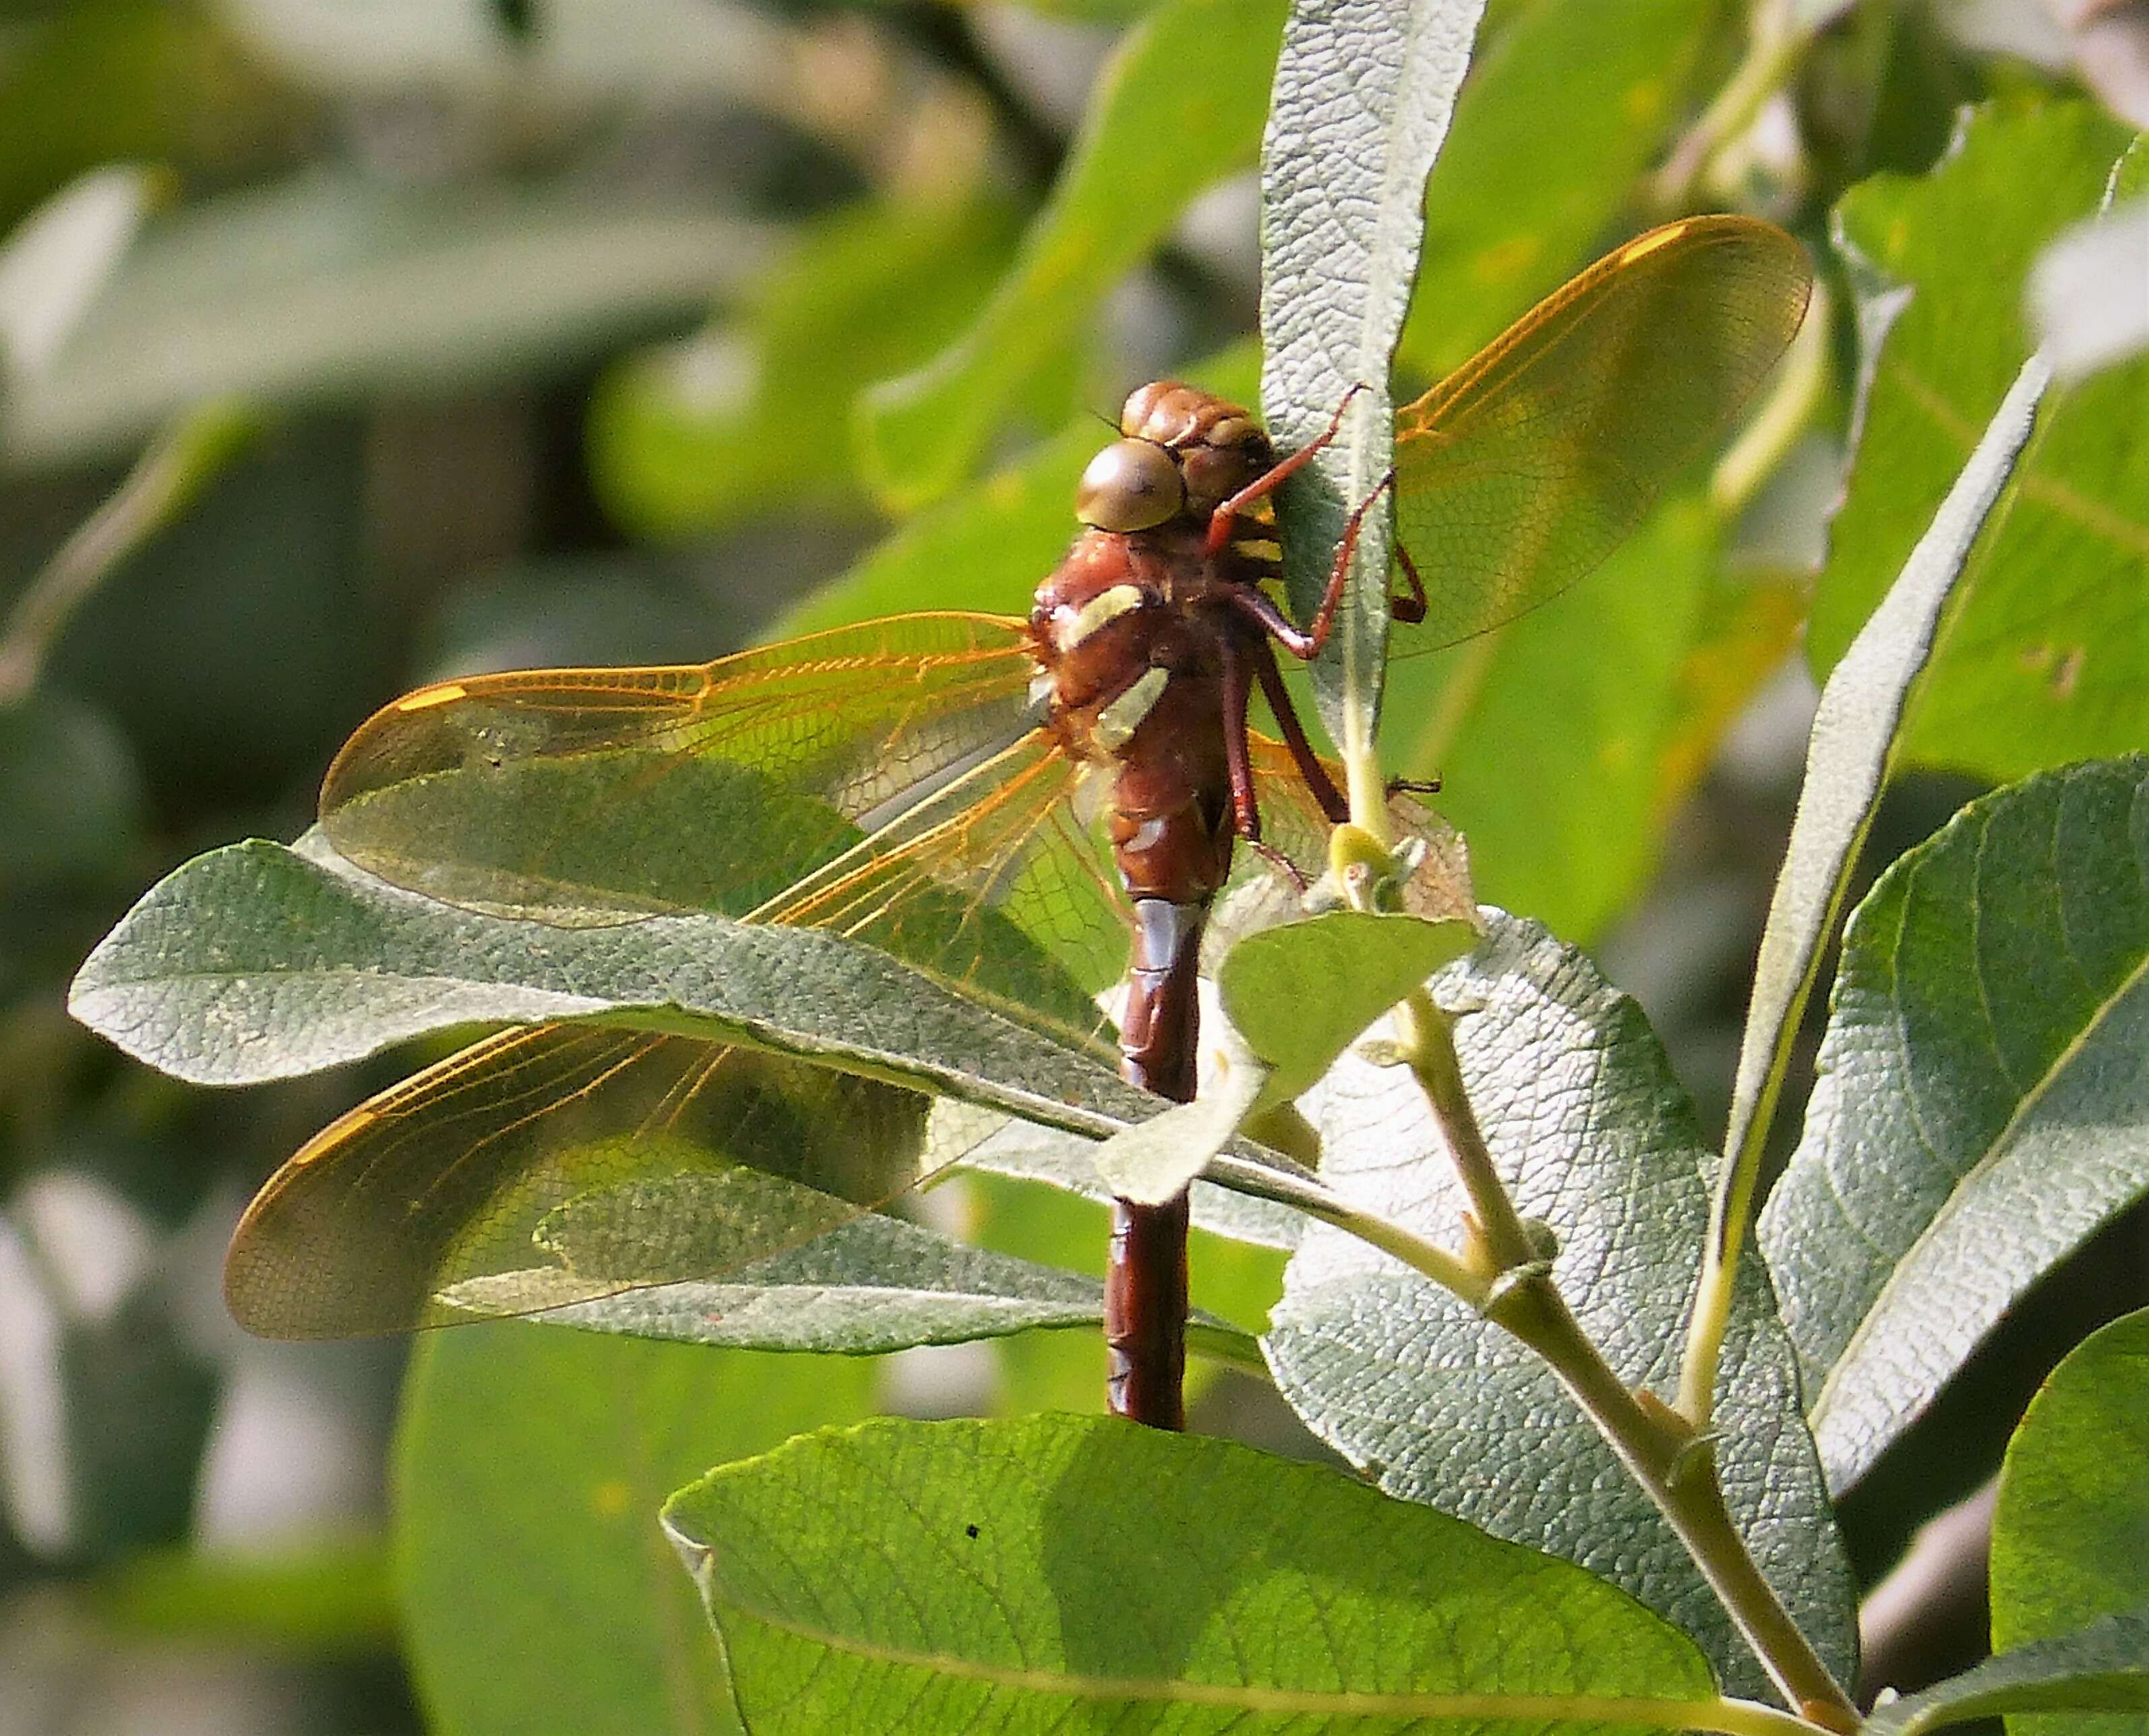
1305 642
1332 799
1281 864
1246 804
1246 807
1224 519
1408 610
1316 631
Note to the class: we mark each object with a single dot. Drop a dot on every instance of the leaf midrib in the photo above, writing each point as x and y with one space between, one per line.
2093 516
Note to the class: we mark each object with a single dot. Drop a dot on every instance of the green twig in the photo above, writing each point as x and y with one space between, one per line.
1778 50
178 463
1659 1448
1678 1470
1261 1182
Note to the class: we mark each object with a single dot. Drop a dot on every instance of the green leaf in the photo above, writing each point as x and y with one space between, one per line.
529 1466
1303 992
1363 98
2070 1532
1037 1575
1981 1100
1151 1162
751 415
56 262
1511 213
2044 662
2101 1668
1852 749
1594 1137
255 963
874 1284
1025 1152
328 287
1178 107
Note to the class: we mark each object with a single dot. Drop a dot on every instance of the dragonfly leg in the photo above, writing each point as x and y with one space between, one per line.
1246 809
1305 642
1316 631
1282 865
1224 519
1331 798
1408 610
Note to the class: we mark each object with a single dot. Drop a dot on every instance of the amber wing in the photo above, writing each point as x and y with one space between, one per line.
1521 472
897 769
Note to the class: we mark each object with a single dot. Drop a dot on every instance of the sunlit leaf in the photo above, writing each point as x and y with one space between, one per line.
1980 1102
2071 1532
1012 1577
873 1284
1854 744
1343 168
2101 1668
1594 1137
2045 662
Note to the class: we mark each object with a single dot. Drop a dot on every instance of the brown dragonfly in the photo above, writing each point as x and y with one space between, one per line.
1001 802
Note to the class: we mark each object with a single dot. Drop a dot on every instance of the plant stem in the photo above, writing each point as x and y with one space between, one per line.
1368 796
1679 1472
1428 1040
1777 50
1673 1463
1429 1259
164 478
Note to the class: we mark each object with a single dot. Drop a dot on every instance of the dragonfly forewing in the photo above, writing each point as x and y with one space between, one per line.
584 797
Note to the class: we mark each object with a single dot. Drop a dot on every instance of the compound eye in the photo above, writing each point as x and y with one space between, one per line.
1213 474
1132 484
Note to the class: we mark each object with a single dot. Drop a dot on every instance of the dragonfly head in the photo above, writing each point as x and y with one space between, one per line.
1184 452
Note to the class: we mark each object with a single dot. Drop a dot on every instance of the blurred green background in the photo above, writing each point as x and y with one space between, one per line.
345 346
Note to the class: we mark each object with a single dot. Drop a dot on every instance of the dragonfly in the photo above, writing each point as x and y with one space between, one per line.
1030 809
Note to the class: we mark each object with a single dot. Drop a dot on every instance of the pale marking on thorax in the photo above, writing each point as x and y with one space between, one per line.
1106 606
1117 722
